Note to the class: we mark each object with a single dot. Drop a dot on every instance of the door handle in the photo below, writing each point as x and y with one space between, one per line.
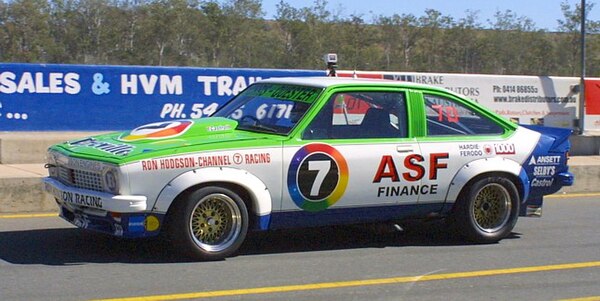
404 149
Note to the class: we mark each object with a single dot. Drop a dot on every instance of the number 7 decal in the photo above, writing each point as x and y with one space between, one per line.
317 177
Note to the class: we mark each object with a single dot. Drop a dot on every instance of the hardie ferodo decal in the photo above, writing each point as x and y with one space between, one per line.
317 177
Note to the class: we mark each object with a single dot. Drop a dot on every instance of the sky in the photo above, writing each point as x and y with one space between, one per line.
544 13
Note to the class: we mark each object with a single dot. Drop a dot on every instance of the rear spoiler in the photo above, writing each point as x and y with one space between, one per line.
560 135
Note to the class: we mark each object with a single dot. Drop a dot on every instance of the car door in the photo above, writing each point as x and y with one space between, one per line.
455 136
356 152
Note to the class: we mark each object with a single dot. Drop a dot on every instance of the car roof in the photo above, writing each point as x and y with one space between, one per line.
324 82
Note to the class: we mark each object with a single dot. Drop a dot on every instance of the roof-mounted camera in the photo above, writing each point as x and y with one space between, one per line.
331 60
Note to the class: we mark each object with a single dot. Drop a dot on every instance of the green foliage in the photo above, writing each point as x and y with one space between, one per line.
236 33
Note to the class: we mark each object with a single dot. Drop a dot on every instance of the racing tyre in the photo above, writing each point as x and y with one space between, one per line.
210 224
488 210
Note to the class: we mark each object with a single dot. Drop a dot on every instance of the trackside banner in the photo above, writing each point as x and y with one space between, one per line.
541 100
46 97
592 106
40 97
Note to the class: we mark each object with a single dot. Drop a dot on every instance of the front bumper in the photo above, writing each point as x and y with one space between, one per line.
94 199
119 215
129 225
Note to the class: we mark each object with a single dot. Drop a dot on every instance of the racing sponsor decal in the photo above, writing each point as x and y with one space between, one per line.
88 165
544 169
198 161
472 150
111 148
205 161
415 171
238 158
544 160
390 191
136 224
152 223
487 149
172 163
158 130
287 92
218 128
81 199
537 182
504 149
259 158
75 163
317 177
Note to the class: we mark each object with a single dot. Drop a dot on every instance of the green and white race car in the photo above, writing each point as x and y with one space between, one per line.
300 152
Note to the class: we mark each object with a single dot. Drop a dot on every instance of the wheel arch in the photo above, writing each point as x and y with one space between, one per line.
252 190
487 167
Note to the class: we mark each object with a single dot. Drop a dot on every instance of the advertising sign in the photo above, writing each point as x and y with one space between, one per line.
592 106
41 97
47 97
542 100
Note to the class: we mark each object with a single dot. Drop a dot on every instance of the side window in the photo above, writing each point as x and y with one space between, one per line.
448 118
360 115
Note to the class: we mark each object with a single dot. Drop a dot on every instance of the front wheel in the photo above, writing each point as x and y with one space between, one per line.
488 210
211 224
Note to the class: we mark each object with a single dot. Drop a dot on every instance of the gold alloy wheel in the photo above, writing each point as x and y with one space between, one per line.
215 222
492 208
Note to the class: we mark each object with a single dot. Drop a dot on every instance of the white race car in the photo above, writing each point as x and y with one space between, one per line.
301 152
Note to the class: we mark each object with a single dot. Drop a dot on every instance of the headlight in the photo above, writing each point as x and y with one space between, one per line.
110 179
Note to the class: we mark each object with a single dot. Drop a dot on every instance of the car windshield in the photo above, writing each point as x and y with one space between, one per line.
270 108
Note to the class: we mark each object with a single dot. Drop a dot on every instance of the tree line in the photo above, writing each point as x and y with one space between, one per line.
236 33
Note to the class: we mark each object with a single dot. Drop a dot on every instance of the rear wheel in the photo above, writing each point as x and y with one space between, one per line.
211 224
488 210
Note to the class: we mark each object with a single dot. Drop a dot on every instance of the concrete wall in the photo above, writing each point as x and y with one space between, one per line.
585 145
30 147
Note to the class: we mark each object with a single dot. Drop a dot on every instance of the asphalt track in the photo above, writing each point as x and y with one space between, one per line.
556 257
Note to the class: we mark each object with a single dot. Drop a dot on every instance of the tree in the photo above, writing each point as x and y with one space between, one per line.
172 29
359 49
234 33
399 34
4 38
26 31
462 45
215 31
569 51
432 26
507 45
243 32
305 35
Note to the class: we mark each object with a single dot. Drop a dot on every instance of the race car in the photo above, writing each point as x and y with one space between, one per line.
312 151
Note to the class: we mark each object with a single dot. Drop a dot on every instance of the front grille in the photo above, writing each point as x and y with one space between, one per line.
80 178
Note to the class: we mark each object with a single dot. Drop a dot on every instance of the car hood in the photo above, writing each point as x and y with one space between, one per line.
160 139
